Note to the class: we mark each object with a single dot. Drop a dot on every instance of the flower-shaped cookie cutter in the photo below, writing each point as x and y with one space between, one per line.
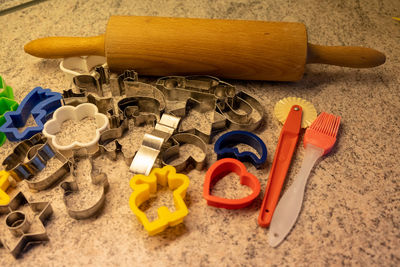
144 186
53 126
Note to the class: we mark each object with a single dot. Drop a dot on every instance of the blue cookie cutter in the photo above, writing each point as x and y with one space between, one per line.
224 147
41 103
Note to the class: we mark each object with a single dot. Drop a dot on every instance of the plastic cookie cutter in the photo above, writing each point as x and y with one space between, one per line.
4 184
225 147
41 103
172 153
6 104
105 105
74 66
220 169
19 224
53 126
145 186
216 122
244 112
199 87
15 163
299 113
152 144
5 90
97 179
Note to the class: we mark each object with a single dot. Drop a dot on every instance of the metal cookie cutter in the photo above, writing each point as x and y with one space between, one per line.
217 171
6 104
139 89
143 110
30 157
144 186
53 126
105 105
217 121
244 113
99 179
200 87
38 157
225 147
152 143
16 163
19 224
4 184
118 82
173 152
41 103
89 74
117 129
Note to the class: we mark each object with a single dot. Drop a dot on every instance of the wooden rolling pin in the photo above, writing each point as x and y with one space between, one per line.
236 49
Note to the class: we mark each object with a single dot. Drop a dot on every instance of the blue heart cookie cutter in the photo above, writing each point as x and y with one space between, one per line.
225 147
41 103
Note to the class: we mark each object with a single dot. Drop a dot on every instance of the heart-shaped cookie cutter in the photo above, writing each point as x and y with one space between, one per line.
220 169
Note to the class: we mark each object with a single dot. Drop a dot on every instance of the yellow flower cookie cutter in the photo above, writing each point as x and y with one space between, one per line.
143 186
4 184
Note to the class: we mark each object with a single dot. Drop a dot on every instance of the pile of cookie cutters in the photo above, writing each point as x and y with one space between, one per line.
120 103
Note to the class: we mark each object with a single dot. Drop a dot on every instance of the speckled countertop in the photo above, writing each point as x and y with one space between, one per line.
351 208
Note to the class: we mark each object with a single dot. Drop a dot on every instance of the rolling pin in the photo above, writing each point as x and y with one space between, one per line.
233 49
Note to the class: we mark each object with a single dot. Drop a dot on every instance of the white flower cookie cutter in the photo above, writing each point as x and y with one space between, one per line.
53 126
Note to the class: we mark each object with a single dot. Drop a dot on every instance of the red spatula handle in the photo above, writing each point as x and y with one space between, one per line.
283 156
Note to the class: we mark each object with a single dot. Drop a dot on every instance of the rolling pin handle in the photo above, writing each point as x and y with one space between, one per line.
61 47
345 56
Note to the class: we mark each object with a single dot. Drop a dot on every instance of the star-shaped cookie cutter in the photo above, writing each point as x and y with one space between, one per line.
6 104
18 223
144 186
41 103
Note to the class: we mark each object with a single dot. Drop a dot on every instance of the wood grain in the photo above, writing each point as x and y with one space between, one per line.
248 50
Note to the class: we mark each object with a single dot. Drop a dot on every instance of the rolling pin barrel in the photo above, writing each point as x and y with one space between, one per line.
234 49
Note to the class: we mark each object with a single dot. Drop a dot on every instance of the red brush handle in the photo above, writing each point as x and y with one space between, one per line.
283 156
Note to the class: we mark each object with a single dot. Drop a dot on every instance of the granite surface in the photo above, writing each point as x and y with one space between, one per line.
351 212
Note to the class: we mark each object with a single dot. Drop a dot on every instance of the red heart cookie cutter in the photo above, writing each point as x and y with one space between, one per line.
220 169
